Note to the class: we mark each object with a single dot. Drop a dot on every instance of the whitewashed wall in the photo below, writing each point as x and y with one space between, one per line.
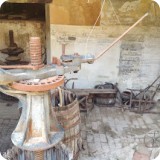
133 63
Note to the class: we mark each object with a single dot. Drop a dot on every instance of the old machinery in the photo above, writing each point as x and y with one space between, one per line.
141 101
152 139
12 51
38 130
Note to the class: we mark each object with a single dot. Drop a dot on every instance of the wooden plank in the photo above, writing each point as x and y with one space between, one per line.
142 101
81 100
92 91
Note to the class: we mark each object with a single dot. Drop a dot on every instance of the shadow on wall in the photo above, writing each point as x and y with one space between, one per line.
85 12
126 12
77 12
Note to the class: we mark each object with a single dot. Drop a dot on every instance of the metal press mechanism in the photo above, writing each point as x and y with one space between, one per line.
13 51
38 132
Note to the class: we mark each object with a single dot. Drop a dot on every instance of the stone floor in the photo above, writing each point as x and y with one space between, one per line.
9 116
108 133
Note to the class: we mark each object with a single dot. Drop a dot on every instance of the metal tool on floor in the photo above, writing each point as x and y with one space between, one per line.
143 101
152 139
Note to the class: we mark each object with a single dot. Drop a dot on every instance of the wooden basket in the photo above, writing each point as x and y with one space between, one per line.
69 117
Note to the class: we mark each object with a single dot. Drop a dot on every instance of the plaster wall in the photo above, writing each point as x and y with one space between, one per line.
77 12
85 12
132 63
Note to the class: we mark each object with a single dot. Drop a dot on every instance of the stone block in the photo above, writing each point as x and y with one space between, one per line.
103 138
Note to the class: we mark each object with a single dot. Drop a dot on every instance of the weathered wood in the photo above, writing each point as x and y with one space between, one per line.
69 117
143 101
83 99
86 92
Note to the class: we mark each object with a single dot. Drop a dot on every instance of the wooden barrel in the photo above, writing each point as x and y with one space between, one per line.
69 117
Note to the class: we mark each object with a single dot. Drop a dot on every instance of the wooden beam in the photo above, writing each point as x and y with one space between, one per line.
80 92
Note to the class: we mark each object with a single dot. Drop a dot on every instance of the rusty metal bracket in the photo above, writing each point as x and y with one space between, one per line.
39 85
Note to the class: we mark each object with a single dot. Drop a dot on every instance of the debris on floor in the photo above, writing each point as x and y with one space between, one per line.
141 153
11 153
111 134
9 115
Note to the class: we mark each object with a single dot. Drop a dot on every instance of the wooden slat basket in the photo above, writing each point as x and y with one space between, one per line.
69 117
